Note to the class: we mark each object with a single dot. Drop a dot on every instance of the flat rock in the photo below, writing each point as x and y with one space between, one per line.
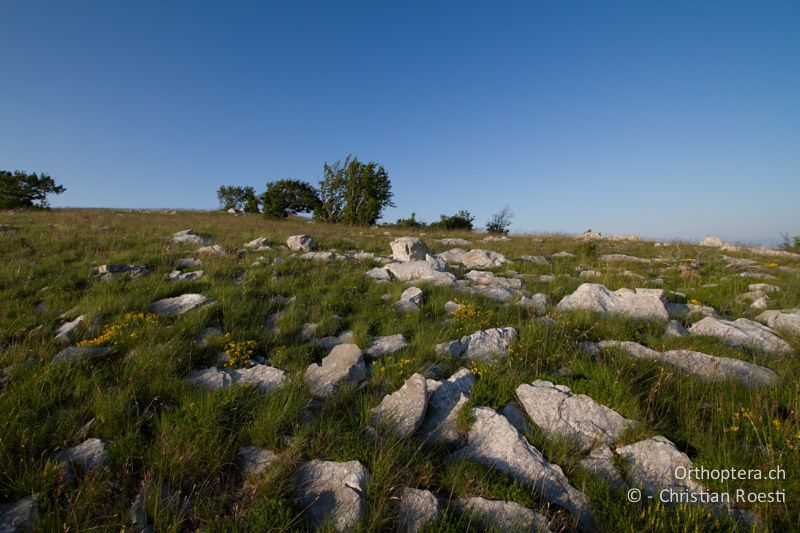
211 378
675 329
595 297
455 242
386 345
177 275
494 442
21 515
483 345
300 243
701 365
111 271
78 353
451 307
263 377
562 254
66 331
535 259
623 258
479 258
787 320
742 333
403 411
447 398
590 274
179 304
86 456
763 287
214 249
413 295
537 303
480 277
187 236
420 271
517 417
255 460
502 515
344 363
406 249
319 256
417 507
498 294
332 493
452 256
561 413
379 274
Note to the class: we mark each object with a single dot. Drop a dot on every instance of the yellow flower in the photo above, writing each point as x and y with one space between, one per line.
694 301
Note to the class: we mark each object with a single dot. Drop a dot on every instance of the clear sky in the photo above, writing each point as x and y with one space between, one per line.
665 119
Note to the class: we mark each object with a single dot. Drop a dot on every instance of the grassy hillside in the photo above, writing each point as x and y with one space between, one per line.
181 441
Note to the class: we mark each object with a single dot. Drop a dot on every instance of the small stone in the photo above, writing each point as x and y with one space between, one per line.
483 345
386 345
742 333
189 237
675 329
179 304
79 353
214 249
406 249
537 303
177 275
503 516
19 516
451 307
258 245
255 460
345 363
86 456
66 331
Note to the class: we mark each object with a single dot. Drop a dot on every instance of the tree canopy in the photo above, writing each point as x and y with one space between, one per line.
285 197
20 189
239 198
353 192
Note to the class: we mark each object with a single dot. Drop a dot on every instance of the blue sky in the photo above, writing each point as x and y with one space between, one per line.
665 119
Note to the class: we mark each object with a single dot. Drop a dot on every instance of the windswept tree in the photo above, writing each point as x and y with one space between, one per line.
285 197
239 198
461 220
353 192
500 221
20 189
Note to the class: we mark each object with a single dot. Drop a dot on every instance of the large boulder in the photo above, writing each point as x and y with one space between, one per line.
179 304
332 493
561 413
479 258
345 363
300 243
447 398
482 345
643 304
402 411
787 320
420 271
494 442
417 507
502 516
698 364
406 249
742 333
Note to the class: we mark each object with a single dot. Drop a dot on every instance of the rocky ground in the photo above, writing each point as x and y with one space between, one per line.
248 374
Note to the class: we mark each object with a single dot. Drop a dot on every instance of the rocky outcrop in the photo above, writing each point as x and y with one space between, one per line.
642 304
403 411
406 249
482 345
742 333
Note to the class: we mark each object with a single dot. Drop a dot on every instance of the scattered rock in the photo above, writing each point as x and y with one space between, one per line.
255 460
452 256
417 507
413 295
379 274
66 331
516 417
179 304
535 259
455 242
763 287
211 378
19 516
264 377
386 345
493 441
537 302
177 275
560 413
406 249
501 515
590 274
300 243
258 245
345 337
600 462
214 249
451 307
111 271
482 345
447 398
623 257
675 329
495 238
188 262
562 254
479 258
420 271
480 277
712 242
80 353
331 492
187 236
742 333
644 304
403 411
86 456
319 256
344 363
787 320
703 366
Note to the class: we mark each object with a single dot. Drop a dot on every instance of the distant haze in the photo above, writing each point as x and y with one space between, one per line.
665 120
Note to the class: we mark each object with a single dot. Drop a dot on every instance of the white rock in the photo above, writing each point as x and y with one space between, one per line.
623 258
379 273
479 258
300 243
537 302
386 345
560 413
742 333
345 363
713 242
19 516
406 249
562 254
420 271
417 507
211 378
535 259
403 411
188 236
214 249
331 491
188 262
452 256
179 304
66 331
502 516
451 307
255 460
86 456
258 245
595 297
263 377
787 320
79 353
763 287
177 275
455 242
493 441
481 345
447 398
413 295
600 462
675 329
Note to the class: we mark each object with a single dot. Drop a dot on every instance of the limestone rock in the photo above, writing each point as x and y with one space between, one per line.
187 236
447 398
787 320
179 304
595 297
263 377
386 345
493 441
66 331
455 242
535 259
258 245
379 274
86 456
675 329
413 295
78 353
623 258
479 258
417 507
177 275
703 366
111 271
452 256
483 345
21 515
214 249
480 277
188 262
211 378
516 417
406 249
561 413
600 462
420 271
536 302
255 460
300 243
562 254
331 492
451 307
344 363
742 333
402 411
712 242
502 516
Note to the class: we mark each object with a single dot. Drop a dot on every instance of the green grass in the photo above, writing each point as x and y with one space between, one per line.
181 442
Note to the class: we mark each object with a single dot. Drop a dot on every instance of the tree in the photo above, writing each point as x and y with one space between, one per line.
20 189
285 197
411 222
353 192
239 198
500 221
461 220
